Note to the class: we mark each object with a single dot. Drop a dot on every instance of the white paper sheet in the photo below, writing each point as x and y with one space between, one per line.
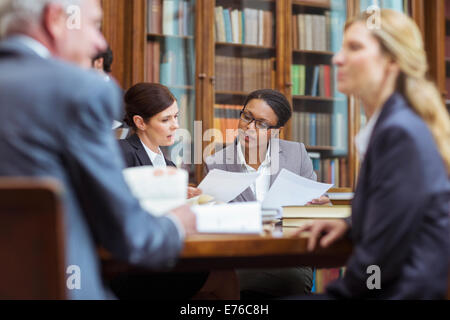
116 124
229 218
290 189
224 186
158 190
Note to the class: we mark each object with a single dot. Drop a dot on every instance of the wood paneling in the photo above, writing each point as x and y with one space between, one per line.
31 239
435 41
124 28
114 32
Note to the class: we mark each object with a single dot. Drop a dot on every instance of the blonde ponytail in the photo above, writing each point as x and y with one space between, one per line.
426 101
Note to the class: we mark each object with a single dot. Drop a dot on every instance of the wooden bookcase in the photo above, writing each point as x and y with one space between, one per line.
320 114
215 69
447 54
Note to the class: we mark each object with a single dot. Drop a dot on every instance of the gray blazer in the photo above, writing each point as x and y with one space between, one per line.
55 121
284 154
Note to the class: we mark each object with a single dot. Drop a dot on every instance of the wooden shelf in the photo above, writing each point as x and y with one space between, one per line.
329 54
311 4
244 50
320 148
447 66
232 93
166 36
244 45
310 98
246 3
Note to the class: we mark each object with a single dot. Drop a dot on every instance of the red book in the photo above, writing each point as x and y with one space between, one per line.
154 16
327 80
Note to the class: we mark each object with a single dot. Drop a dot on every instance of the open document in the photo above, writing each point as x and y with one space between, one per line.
224 186
244 217
290 189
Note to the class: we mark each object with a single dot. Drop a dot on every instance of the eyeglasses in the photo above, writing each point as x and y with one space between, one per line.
244 116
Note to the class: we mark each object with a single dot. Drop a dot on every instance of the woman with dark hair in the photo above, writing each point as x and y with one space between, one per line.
258 148
152 112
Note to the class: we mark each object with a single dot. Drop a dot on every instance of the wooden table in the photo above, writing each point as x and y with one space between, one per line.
206 252
203 252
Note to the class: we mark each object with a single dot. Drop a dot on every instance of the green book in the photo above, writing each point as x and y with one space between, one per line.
295 79
302 79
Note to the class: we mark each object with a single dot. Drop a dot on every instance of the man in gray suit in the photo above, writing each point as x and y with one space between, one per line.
55 121
258 149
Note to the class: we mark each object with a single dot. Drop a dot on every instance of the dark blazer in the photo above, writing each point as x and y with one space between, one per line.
134 153
55 121
400 219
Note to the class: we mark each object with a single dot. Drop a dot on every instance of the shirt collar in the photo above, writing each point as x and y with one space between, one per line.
362 139
33 45
151 154
241 158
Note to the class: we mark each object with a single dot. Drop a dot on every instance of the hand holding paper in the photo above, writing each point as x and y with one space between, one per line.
224 186
290 189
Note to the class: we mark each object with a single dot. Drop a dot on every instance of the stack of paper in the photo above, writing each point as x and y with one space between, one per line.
229 218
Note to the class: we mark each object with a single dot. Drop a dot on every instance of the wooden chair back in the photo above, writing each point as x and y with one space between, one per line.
31 239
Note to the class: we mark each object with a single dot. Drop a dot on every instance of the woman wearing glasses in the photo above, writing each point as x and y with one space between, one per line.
258 148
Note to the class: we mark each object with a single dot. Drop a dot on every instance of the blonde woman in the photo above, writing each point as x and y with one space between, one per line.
400 220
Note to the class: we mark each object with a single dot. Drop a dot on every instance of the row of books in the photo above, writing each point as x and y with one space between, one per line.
170 17
226 120
313 80
186 106
244 74
248 26
319 129
318 32
330 170
171 65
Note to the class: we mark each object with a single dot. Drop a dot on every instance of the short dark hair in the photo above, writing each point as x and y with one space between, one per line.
146 100
276 100
108 58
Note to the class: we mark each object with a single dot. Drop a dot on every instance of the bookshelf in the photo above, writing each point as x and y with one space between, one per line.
320 113
205 68
170 60
213 87
244 58
447 54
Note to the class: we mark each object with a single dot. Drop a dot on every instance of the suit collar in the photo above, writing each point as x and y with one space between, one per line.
277 161
395 103
23 45
141 154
